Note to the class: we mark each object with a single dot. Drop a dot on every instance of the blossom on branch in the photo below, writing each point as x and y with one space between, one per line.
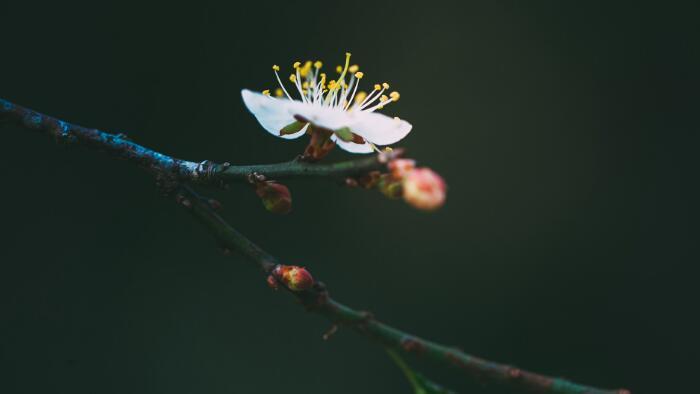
335 107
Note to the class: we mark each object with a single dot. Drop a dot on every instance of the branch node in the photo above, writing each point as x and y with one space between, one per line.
411 344
256 177
205 170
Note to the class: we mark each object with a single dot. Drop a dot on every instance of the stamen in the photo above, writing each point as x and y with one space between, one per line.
374 98
277 68
360 96
357 75
382 103
332 96
297 82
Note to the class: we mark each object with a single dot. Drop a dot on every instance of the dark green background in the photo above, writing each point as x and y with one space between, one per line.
567 134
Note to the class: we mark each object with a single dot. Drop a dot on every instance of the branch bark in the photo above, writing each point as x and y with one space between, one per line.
317 298
179 169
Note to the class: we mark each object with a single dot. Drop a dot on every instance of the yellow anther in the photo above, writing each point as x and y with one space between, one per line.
385 85
359 75
395 96
266 92
276 67
377 86
354 68
293 78
360 96
279 92
318 64
305 85
304 71
339 69
388 149
383 98
296 65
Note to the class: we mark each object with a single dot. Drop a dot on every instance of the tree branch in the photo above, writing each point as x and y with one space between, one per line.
178 169
315 299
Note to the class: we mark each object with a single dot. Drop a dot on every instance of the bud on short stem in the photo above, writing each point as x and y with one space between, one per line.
275 197
424 189
293 277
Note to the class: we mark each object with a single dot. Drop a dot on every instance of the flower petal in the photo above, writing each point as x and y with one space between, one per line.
326 117
351 146
273 114
380 129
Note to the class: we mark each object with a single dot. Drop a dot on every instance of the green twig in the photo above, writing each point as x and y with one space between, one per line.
319 301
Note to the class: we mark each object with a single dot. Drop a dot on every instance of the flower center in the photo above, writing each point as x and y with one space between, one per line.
341 93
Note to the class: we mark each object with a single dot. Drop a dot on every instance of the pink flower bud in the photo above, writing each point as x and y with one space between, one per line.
293 277
424 189
275 197
401 167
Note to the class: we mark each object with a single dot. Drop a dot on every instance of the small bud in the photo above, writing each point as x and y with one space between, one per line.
275 197
272 282
424 189
293 277
390 186
369 180
401 167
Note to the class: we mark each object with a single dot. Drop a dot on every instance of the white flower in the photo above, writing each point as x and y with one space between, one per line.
336 106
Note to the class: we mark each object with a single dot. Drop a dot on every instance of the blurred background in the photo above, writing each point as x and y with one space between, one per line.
567 133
